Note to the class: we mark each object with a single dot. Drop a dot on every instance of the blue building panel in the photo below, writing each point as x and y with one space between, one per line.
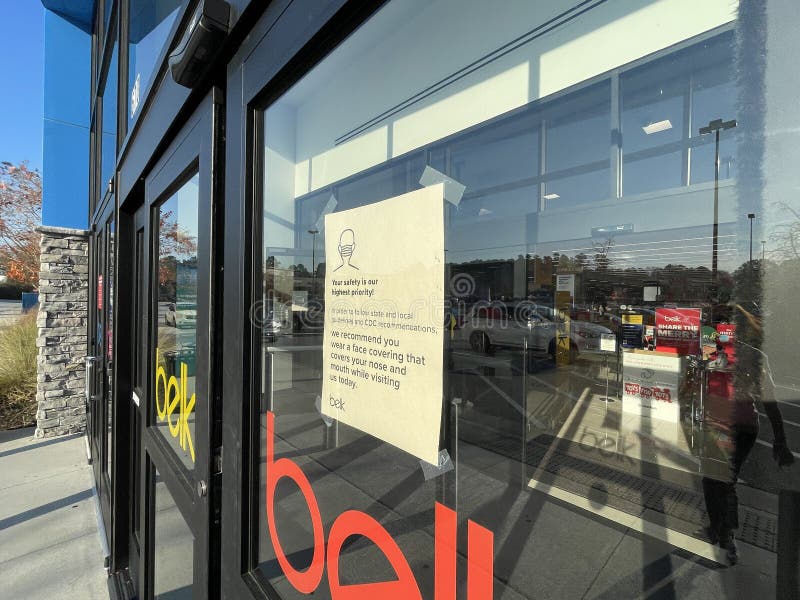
67 71
67 75
65 184
77 12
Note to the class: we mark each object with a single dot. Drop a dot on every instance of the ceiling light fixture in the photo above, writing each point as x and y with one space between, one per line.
657 126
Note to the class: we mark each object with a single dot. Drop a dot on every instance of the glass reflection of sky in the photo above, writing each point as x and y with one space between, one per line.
150 24
108 151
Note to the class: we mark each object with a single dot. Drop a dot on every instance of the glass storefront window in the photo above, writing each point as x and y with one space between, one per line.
650 173
612 381
108 154
149 25
176 404
577 148
652 104
653 98
578 129
703 159
107 9
502 155
713 95
579 188
663 106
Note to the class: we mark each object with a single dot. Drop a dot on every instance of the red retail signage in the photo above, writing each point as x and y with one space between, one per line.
678 330
99 292
480 546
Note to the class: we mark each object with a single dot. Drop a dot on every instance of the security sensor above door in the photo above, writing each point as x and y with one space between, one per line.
201 42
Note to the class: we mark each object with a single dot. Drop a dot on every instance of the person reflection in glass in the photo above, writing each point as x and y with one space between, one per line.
347 246
738 377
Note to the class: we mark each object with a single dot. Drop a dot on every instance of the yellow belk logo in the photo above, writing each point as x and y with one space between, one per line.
171 398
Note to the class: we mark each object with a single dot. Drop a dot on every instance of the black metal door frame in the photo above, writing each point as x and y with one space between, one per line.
286 42
130 330
99 363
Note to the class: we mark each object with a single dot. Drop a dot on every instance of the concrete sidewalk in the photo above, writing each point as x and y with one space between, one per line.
49 542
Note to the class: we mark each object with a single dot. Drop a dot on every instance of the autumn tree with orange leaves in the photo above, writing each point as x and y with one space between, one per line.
20 214
174 246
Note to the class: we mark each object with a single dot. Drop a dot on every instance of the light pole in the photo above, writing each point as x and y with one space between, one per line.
715 127
313 233
763 249
751 216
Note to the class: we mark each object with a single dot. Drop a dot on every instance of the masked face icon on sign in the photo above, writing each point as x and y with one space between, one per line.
347 246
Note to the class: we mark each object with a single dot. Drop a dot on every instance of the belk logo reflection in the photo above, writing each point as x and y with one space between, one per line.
171 398
480 546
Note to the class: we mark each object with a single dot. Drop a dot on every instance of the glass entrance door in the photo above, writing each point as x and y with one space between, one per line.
176 397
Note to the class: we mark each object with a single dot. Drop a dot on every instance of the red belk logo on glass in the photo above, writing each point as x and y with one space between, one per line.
480 546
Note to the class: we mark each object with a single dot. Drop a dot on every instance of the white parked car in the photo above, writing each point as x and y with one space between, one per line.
509 324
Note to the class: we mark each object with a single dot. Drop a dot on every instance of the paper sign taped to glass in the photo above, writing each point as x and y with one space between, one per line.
384 315
650 384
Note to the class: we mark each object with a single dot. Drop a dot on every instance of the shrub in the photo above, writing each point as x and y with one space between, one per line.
18 373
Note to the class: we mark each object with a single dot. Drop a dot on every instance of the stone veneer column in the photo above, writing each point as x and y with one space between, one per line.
62 321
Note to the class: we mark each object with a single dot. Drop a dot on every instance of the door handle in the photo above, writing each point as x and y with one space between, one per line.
90 362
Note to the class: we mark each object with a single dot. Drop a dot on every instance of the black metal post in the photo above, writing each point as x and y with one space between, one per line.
524 449
715 127
715 241
313 233
788 559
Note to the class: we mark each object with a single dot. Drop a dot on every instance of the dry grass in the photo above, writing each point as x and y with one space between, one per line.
18 373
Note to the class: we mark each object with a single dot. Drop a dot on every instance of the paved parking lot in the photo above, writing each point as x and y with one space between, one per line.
10 311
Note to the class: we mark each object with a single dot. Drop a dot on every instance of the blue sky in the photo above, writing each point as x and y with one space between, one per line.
21 102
